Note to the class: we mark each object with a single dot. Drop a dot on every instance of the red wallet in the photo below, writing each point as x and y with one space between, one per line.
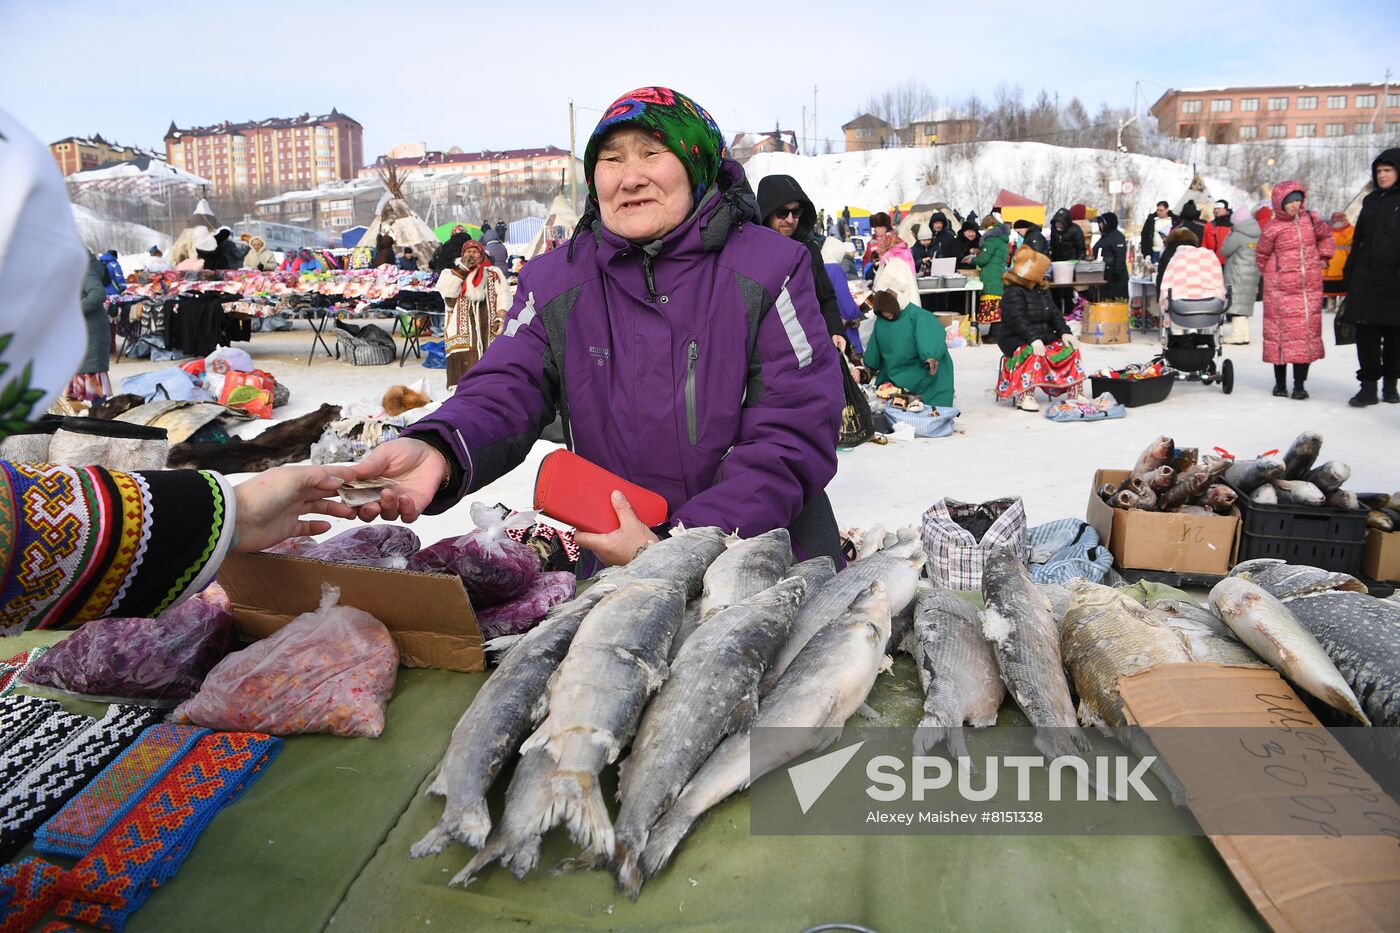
572 490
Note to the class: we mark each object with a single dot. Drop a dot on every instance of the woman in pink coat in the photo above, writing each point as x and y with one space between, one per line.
1293 251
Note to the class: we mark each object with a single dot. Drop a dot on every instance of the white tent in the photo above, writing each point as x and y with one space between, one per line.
558 227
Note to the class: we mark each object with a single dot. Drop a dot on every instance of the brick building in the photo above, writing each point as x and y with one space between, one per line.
506 171
84 153
1247 114
269 156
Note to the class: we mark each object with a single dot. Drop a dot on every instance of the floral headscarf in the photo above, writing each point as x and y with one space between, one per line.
685 128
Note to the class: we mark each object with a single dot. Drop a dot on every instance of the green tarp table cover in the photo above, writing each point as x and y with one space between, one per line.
321 842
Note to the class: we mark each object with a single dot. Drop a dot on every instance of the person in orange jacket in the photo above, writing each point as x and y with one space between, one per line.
1342 231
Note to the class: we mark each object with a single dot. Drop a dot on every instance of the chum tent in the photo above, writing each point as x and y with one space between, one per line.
1016 207
556 229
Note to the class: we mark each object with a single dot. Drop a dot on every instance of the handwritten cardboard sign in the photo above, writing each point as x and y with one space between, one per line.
1275 764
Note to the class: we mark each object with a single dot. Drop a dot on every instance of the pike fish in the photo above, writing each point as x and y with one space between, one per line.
1276 635
1019 625
899 574
1299 492
711 693
957 671
1105 636
1361 635
491 730
824 686
594 702
747 566
1285 581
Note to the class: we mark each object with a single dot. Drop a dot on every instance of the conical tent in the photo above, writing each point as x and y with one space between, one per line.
398 219
557 229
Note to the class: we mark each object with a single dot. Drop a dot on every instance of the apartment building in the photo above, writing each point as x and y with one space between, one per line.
84 153
506 170
1247 114
332 206
268 156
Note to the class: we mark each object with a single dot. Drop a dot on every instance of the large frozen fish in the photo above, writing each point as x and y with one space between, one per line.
515 840
957 670
899 574
616 661
1361 635
747 566
1276 635
824 686
1019 624
872 539
712 692
491 730
1105 636
682 558
1285 581
814 573
1205 637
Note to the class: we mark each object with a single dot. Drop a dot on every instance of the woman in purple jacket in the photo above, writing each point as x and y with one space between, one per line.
679 339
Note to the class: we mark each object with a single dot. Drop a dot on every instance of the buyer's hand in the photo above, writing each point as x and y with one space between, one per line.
418 470
618 547
1038 347
270 505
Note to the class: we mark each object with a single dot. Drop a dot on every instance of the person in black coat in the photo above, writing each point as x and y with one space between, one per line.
968 242
943 238
785 208
1066 243
501 230
1112 248
1030 318
1032 237
449 252
1371 279
384 251
1190 219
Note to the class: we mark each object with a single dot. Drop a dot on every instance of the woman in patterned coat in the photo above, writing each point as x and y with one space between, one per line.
1293 250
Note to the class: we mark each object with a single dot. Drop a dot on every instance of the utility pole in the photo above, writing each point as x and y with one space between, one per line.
805 137
815 131
1119 149
1382 109
573 180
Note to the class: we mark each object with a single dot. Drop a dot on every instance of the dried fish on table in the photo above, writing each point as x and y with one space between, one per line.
747 566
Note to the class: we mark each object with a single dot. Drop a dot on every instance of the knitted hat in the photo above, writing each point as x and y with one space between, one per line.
685 128
205 243
1291 197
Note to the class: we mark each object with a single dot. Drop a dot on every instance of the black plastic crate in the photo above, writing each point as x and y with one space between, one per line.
1332 539
1131 393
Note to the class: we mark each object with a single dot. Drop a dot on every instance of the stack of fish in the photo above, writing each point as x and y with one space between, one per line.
1167 479
678 655
1384 509
1293 479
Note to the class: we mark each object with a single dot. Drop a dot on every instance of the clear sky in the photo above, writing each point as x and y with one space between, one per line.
498 74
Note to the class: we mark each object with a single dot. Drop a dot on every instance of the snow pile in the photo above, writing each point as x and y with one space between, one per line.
100 234
969 176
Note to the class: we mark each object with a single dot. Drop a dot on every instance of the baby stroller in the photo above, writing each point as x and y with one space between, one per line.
1194 304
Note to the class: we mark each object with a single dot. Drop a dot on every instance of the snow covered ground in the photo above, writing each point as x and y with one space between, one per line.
997 452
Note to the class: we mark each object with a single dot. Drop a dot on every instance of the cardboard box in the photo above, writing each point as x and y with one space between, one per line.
1105 322
1381 559
1297 883
428 615
1162 540
947 318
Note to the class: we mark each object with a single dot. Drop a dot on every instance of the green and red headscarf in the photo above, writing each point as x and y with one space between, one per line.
681 124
